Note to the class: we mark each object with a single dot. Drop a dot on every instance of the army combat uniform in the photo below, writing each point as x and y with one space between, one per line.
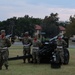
26 50
35 51
61 43
4 43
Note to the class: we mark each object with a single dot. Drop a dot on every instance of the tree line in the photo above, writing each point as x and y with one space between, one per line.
50 25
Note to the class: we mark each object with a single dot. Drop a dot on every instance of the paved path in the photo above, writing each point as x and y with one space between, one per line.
71 44
17 43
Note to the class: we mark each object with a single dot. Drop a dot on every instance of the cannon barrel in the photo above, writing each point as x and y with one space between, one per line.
20 57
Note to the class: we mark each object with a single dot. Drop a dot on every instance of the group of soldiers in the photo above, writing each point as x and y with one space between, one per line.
37 43
27 43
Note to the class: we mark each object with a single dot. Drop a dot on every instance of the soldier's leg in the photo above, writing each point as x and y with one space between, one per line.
34 57
24 53
5 58
28 52
37 57
6 63
62 56
1 68
1 63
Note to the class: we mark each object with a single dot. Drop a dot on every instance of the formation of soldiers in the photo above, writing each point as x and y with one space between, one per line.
36 44
27 43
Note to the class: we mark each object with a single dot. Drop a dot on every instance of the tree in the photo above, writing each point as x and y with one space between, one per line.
50 25
70 29
19 25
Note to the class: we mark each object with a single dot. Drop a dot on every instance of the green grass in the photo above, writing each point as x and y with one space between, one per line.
18 68
15 50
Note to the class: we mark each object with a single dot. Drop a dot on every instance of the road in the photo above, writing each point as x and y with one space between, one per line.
71 44
17 43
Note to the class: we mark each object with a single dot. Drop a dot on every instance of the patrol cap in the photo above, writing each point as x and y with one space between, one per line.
2 31
35 35
26 32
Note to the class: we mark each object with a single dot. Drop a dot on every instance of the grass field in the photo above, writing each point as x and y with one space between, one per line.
17 67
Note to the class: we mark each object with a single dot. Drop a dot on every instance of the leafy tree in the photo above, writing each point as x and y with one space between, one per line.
50 25
70 29
16 26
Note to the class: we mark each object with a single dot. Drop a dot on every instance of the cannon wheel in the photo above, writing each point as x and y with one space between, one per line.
66 56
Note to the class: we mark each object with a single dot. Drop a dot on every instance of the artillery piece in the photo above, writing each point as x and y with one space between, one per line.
46 50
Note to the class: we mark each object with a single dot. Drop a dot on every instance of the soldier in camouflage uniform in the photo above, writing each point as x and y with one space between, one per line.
35 50
26 41
4 42
60 46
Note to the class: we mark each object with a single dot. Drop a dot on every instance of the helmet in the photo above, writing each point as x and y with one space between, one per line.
2 31
26 34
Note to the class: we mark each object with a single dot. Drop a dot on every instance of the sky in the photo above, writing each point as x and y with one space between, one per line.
37 8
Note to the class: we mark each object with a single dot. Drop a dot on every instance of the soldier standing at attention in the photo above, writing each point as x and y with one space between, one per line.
60 46
4 43
35 50
26 45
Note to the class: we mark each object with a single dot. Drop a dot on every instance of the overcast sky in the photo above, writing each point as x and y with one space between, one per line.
36 8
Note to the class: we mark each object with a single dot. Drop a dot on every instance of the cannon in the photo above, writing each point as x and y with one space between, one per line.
46 50
48 47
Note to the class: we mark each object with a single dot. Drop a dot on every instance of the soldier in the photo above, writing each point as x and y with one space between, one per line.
4 42
60 46
26 45
35 50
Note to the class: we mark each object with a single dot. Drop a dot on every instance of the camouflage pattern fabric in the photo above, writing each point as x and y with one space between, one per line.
60 50
35 52
4 43
26 41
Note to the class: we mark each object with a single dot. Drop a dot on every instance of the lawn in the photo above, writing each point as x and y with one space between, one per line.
17 67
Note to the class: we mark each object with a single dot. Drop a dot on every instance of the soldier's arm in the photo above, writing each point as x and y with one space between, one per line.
23 41
30 40
64 42
7 43
39 43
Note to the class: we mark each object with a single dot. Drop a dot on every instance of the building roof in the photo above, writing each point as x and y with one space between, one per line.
62 28
37 27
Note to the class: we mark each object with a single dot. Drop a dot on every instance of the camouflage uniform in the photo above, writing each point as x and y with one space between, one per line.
60 50
35 52
4 43
25 41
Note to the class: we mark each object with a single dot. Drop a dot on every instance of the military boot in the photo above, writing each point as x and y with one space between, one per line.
24 60
34 61
0 68
6 67
28 60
